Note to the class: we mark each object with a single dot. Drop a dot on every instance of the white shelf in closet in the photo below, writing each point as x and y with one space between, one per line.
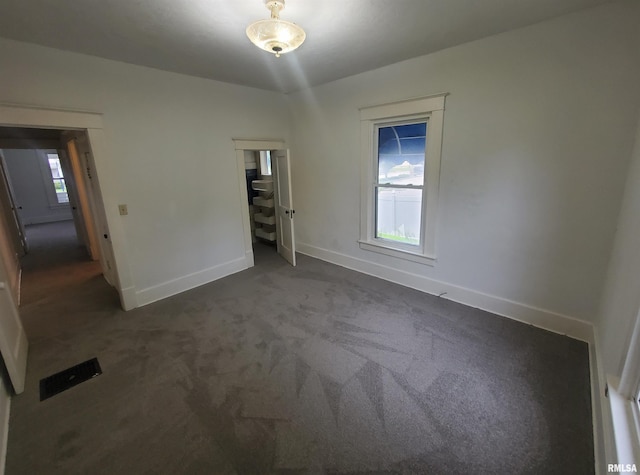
264 216
263 219
269 236
262 185
264 202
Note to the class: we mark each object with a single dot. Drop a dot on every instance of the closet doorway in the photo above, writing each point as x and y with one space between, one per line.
264 172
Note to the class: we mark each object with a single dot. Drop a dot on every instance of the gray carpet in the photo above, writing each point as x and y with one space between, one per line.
281 370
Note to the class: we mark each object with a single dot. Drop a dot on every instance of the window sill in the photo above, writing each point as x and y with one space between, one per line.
624 415
396 252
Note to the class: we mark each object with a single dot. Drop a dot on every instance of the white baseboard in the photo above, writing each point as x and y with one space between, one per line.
190 281
538 317
128 298
249 260
5 407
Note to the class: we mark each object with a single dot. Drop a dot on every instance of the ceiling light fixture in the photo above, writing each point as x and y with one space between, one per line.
275 35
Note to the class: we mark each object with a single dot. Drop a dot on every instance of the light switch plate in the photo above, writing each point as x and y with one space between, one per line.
123 210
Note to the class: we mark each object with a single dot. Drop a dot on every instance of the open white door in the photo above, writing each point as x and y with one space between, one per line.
13 340
284 206
10 209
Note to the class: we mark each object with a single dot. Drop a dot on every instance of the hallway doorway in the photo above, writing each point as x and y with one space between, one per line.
85 130
55 210
18 125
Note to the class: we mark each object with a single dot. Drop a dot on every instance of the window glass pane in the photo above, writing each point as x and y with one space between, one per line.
61 190
265 162
401 154
60 186
58 178
398 214
54 164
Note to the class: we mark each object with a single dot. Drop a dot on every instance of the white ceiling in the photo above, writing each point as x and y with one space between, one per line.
207 38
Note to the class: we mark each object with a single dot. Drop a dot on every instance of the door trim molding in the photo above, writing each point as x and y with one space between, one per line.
18 115
259 144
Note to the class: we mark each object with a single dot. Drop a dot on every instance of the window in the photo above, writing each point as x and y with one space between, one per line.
59 184
265 162
401 145
54 182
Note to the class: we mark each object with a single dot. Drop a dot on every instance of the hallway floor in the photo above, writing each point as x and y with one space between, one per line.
58 269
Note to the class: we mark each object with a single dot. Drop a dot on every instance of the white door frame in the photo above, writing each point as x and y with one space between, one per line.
255 145
91 122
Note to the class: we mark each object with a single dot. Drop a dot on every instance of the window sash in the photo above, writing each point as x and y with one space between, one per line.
53 175
389 185
387 230
377 185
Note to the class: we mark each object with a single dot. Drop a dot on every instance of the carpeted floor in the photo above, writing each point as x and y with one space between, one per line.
281 370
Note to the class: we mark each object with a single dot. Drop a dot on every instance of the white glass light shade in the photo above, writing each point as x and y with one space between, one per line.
275 35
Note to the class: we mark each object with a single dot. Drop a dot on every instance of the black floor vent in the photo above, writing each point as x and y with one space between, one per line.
56 383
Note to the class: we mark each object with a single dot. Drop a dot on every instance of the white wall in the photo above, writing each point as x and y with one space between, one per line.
621 297
170 150
538 131
30 188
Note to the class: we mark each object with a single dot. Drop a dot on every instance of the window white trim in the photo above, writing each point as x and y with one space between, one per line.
625 420
400 253
431 109
630 378
623 401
